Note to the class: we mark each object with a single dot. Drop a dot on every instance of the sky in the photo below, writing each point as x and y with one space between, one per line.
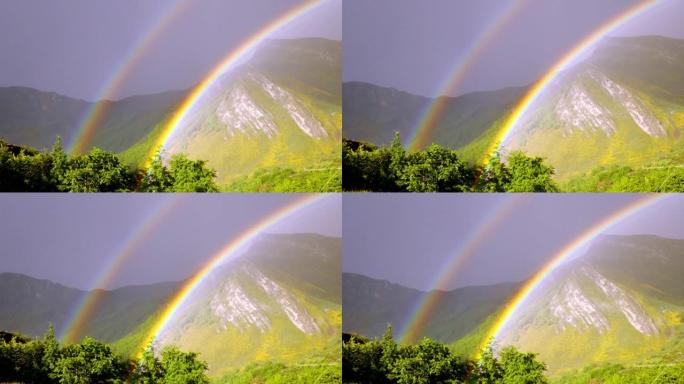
409 238
70 239
73 47
413 47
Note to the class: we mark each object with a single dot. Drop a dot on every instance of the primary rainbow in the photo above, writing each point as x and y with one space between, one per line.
129 61
561 256
141 232
480 44
540 85
229 250
227 62
453 266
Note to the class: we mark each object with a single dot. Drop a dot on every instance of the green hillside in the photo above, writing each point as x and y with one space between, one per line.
280 302
620 302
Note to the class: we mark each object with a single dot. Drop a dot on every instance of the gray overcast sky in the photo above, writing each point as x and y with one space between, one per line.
70 238
73 46
408 238
412 45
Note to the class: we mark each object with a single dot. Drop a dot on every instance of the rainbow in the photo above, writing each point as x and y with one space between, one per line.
466 250
228 61
465 62
559 258
219 258
94 116
89 303
541 84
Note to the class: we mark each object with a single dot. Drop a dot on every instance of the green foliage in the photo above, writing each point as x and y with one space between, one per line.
277 373
439 169
96 171
488 369
87 362
28 170
661 373
90 361
183 367
174 367
661 176
385 361
529 174
521 368
321 178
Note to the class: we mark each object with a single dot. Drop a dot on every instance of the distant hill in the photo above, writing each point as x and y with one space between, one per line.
373 113
34 118
370 305
29 305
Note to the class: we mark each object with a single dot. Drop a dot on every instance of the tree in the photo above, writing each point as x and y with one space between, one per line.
191 175
183 367
149 369
88 362
530 174
60 162
156 178
437 169
521 368
97 171
495 177
488 370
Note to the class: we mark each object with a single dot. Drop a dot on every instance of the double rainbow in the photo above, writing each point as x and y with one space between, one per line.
93 117
428 304
480 44
86 308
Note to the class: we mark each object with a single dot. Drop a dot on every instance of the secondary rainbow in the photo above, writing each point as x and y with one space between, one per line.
137 236
540 85
129 61
561 256
229 250
233 57
466 250
480 44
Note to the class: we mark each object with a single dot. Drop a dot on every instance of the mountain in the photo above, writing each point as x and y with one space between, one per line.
279 301
373 113
28 305
370 304
34 118
622 301
281 108
623 105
